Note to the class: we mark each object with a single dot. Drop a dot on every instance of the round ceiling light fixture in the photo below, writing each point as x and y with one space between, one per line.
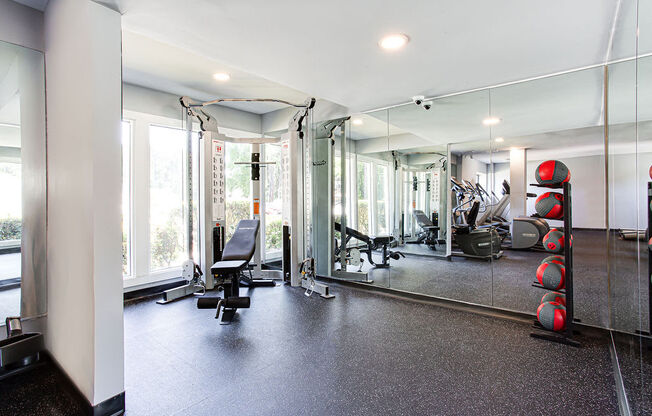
221 76
394 41
491 121
357 122
499 140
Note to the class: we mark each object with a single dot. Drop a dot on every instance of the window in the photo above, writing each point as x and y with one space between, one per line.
11 205
364 179
126 198
238 185
166 197
382 200
273 202
337 197
10 215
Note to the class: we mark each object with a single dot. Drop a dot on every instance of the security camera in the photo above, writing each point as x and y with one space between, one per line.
418 99
427 105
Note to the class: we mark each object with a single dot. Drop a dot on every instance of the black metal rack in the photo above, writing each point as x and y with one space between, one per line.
565 336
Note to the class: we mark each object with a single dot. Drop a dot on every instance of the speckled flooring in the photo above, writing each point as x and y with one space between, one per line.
635 360
506 282
357 354
41 391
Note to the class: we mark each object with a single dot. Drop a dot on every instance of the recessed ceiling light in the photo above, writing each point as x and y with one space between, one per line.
499 140
490 121
393 42
357 122
222 76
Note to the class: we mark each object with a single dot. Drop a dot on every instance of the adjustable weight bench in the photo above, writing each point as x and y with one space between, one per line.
227 272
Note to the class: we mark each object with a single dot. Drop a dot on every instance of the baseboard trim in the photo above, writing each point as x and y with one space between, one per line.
112 406
8 284
434 300
9 250
152 290
490 311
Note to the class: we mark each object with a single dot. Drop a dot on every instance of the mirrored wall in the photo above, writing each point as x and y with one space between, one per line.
23 183
630 212
441 195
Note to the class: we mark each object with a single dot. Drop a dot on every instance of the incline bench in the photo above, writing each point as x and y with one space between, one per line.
236 256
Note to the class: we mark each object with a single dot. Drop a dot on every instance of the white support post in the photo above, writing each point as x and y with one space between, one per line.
518 182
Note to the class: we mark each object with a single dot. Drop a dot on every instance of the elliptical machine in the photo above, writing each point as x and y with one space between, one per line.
521 233
480 243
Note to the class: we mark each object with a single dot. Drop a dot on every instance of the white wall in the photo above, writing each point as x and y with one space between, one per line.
500 173
159 103
518 182
588 190
85 321
628 178
470 167
21 25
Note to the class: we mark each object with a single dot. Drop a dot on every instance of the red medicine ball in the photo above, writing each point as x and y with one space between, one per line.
552 172
550 205
554 241
560 298
552 316
553 259
551 275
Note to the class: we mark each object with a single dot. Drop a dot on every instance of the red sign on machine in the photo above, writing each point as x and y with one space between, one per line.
256 206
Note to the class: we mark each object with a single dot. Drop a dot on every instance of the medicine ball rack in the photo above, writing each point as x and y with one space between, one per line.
538 331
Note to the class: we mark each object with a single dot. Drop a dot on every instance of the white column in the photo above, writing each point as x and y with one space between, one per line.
85 319
518 182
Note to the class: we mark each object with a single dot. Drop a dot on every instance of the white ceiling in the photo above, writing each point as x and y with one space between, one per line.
588 141
330 49
165 67
9 97
564 112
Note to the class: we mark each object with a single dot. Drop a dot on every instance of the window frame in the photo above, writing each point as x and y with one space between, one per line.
141 273
130 195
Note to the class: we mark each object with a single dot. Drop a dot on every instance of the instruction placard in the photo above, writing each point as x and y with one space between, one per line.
219 205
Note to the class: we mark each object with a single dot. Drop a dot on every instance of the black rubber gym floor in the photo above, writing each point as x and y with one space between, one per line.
506 282
357 354
41 391
635 361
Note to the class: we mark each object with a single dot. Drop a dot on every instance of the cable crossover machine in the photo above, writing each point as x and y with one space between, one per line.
298 266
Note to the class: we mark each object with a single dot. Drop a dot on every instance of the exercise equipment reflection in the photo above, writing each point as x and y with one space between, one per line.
373 243
483 243
429 234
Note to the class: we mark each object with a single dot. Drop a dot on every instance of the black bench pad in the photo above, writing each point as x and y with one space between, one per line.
228 266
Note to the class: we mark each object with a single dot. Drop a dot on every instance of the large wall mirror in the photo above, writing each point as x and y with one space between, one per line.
450 185
23 183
